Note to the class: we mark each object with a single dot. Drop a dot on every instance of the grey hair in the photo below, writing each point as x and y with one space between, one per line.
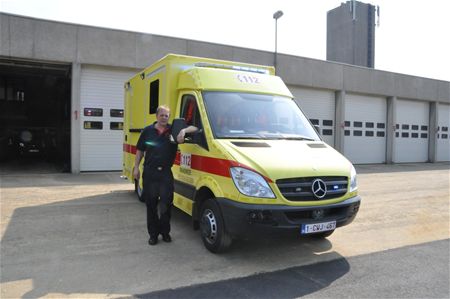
162 107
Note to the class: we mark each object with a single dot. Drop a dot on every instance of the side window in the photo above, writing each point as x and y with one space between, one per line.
189 111
191 114
154 96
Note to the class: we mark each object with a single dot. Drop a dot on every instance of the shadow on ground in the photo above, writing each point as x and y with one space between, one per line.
98 245
288 283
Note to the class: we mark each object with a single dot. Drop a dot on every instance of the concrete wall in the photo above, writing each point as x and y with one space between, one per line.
35 39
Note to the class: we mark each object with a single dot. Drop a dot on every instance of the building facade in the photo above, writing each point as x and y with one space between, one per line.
66 82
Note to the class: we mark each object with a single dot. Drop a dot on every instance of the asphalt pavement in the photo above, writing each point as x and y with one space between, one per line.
84 236
419 271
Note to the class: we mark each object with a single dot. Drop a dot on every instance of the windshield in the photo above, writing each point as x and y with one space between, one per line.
256 116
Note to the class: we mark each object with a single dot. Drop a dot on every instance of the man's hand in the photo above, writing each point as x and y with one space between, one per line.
182 134
137 161
136 173
180 137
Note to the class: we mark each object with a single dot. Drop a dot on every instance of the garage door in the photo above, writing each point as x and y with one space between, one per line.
365 129
101 118
319 107
412 131
443 137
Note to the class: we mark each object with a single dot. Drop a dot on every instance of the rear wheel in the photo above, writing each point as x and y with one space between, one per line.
212 227
138 190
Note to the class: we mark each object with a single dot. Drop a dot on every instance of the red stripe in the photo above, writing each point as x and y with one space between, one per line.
206 164
129 148
214 165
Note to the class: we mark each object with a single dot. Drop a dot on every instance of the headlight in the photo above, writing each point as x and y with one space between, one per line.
250 183
353 184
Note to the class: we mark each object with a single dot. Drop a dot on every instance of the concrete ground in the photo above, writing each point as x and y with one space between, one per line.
84 236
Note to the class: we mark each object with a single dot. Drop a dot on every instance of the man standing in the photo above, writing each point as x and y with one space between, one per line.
154 142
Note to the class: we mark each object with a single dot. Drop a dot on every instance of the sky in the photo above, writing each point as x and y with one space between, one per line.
412 37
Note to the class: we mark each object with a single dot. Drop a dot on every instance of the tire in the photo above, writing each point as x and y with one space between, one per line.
323 234
138 190
212 227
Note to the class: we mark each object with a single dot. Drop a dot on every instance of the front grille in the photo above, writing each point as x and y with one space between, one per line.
300 189
332 213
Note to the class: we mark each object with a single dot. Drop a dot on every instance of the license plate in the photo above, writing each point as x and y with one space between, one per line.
317 227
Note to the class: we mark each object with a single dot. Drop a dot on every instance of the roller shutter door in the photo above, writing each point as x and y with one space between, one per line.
412 131
443 137
319 107
101 115
365 129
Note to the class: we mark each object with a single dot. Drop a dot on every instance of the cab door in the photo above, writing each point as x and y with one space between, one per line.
188 166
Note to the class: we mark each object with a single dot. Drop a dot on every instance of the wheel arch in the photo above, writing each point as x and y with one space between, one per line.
201 195
207 188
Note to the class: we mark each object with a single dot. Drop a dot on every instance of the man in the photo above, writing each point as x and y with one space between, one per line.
154 142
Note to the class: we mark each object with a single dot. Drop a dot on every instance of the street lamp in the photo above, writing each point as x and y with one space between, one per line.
276 16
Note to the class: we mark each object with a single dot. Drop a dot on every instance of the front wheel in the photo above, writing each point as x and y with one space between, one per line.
212 227
138 190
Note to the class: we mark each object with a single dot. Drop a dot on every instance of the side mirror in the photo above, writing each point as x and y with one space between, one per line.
178 124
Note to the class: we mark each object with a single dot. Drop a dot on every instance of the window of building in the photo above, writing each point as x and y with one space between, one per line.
116 125
116 112
96 112
93 125
314 121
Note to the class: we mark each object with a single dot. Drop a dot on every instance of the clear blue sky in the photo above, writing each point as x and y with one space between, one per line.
413 37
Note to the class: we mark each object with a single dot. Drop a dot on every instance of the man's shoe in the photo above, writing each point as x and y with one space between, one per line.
166 238
153 241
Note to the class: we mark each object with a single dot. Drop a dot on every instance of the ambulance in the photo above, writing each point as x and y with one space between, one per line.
255 165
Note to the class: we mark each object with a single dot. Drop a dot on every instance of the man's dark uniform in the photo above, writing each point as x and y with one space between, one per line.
157 177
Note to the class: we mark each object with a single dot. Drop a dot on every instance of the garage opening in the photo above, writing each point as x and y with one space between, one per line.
34 116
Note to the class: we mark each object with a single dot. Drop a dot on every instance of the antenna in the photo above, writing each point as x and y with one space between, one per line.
353 10
378 16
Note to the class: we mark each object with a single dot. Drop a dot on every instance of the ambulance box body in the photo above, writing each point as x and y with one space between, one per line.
256 163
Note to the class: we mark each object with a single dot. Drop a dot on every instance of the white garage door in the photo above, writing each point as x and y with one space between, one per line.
412 131
101 99
443 137
365 129
319 107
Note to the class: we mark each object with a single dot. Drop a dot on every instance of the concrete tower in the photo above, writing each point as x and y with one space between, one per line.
351 33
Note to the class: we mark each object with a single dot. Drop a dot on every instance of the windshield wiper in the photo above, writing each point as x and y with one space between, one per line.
238 137
281 136
298 138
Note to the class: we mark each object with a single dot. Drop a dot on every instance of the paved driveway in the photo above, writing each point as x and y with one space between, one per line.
65 235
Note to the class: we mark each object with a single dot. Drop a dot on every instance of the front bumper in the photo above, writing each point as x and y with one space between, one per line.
243 219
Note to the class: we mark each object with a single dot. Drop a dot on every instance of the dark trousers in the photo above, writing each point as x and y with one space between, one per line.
158 189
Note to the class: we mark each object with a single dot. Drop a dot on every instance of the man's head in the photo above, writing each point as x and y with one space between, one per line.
162 115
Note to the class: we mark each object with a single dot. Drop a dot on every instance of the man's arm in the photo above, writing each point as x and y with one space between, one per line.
137 161
183 132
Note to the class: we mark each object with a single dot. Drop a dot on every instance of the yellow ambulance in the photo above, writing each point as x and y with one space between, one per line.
256 163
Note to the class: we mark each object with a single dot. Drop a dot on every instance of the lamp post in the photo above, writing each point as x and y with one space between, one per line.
276 16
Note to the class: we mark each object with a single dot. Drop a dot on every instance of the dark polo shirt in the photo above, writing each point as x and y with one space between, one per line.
159 150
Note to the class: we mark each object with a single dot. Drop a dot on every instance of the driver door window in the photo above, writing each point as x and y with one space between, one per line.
189 111
191 115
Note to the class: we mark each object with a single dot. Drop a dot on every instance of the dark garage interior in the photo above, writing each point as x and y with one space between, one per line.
34 116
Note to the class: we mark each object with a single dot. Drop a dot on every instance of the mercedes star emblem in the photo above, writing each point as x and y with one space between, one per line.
319 188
